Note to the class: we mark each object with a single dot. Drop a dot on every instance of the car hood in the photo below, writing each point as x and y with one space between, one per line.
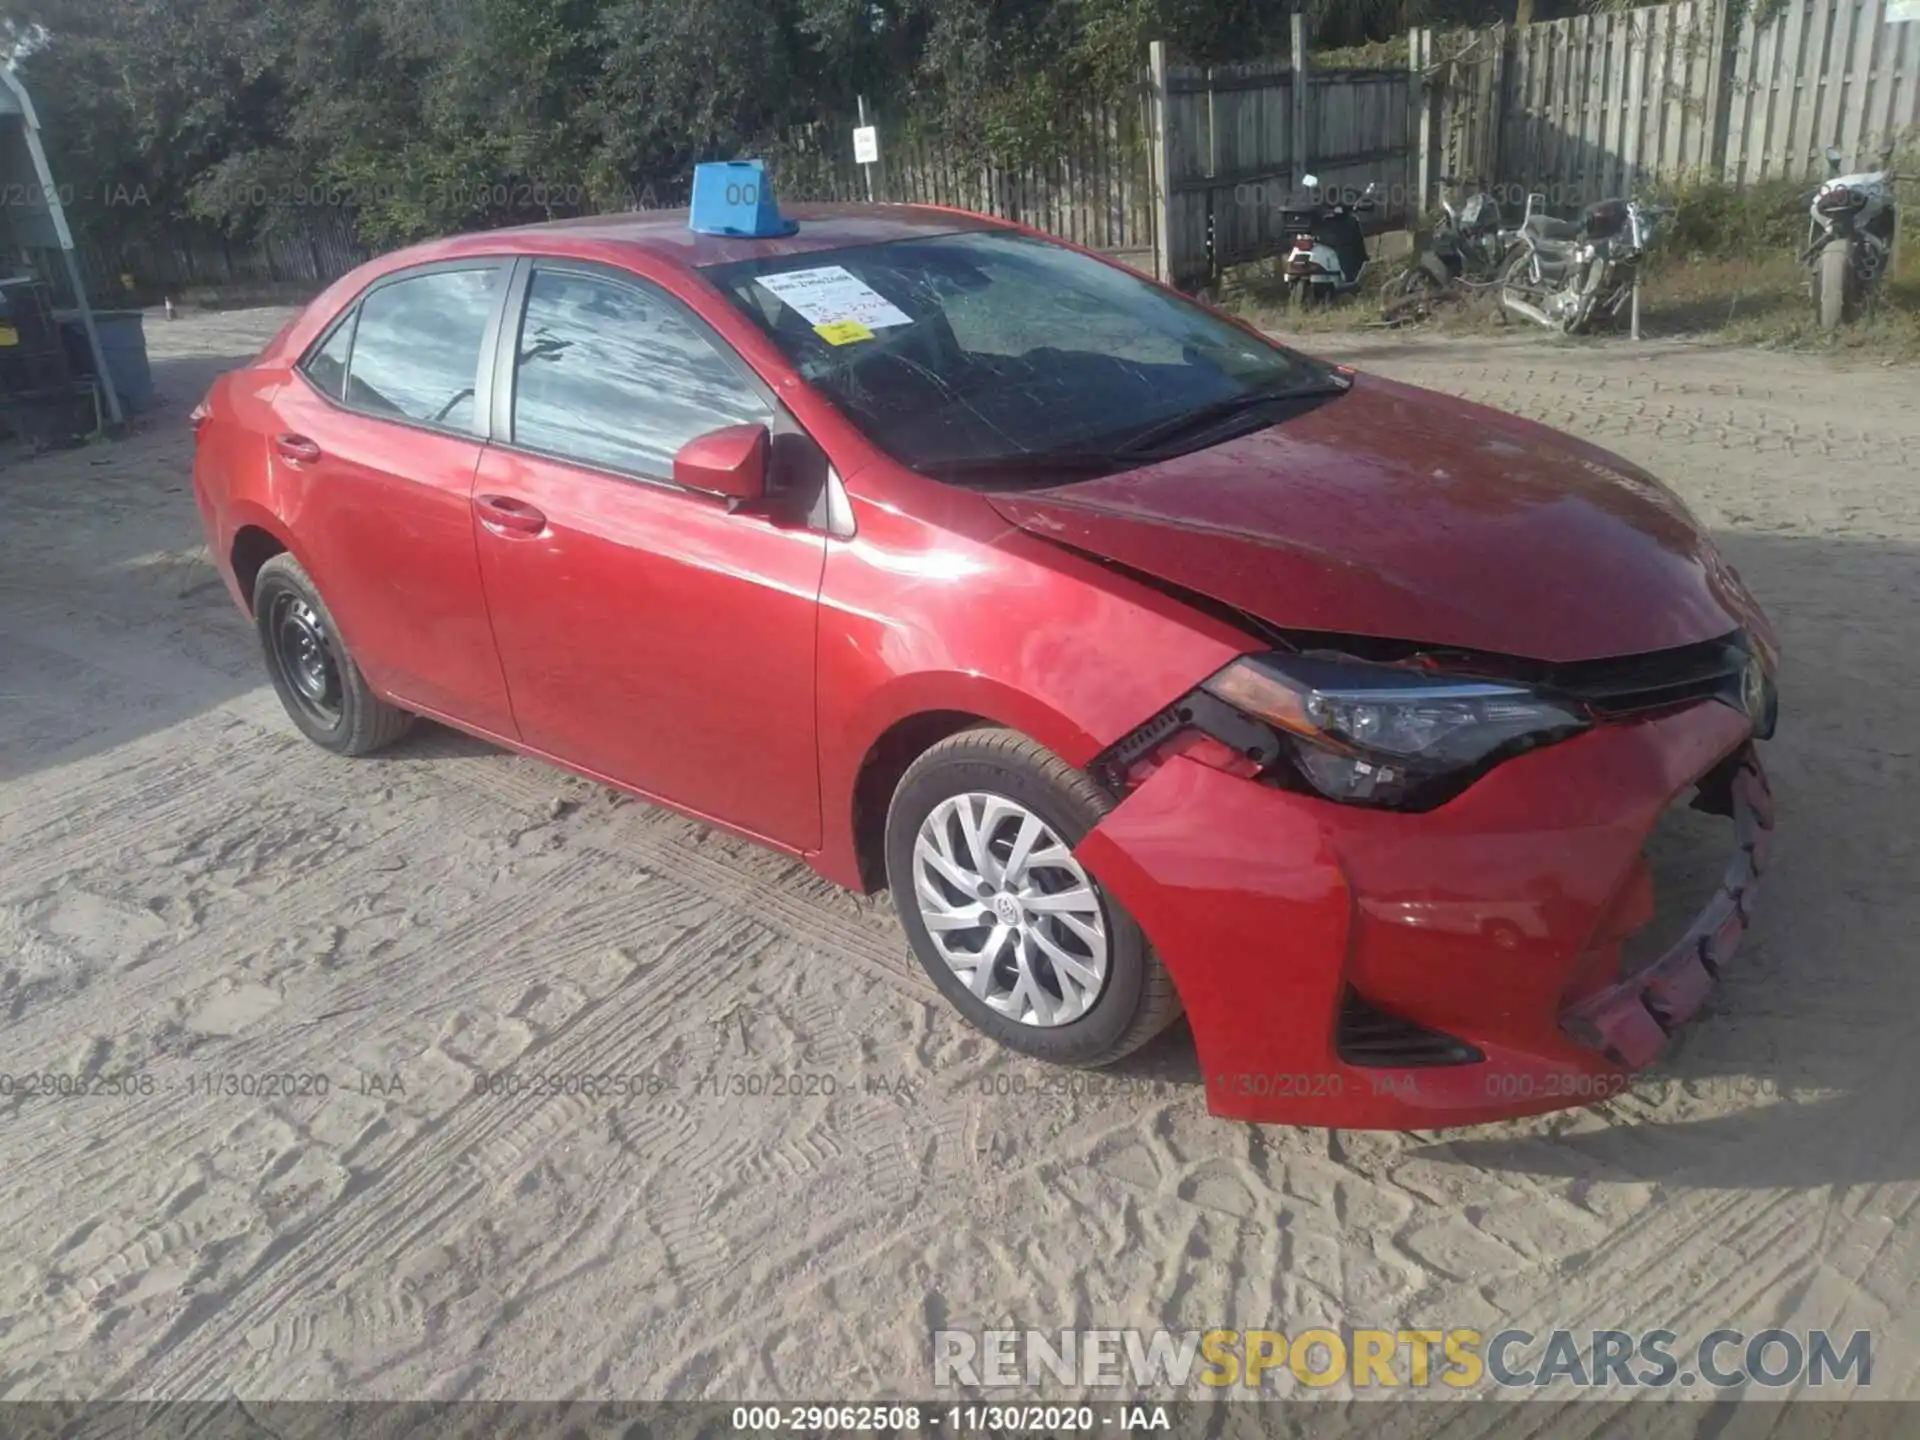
1399 513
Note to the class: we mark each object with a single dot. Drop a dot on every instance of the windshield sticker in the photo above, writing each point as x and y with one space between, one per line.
831 294
843 332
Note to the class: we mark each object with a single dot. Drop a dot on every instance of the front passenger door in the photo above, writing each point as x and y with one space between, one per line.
648 635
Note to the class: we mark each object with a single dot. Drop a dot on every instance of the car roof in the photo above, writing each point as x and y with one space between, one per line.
664 234
660 236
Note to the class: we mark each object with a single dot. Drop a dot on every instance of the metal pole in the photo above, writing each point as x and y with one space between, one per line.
107 389
1893 255
65 236
866 169
1213 131
1162 164
1302 98
1425 95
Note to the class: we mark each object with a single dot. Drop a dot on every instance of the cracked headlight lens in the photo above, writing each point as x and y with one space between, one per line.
1384 735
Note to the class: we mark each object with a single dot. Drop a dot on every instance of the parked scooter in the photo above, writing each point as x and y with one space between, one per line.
1571 275
1468 245
1329 248
1850 239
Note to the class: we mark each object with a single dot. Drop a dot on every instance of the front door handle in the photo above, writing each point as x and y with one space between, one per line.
297 448
504 515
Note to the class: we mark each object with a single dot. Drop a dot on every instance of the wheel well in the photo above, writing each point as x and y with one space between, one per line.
252 548
902 744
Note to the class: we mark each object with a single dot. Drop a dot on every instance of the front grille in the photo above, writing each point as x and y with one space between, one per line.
1665 679
1370 1038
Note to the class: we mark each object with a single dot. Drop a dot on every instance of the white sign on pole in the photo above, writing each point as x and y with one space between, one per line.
866 143
1898 10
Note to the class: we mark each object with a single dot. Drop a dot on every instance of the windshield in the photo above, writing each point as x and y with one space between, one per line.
964 355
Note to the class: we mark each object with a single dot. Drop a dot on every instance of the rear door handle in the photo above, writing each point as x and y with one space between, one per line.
504 515
297 448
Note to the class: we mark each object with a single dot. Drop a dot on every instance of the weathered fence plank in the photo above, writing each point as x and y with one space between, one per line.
1237 140
1606 103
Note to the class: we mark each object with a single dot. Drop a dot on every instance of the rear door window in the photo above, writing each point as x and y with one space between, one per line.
416 346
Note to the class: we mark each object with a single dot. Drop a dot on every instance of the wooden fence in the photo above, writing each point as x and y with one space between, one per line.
1602 105
1192 171
1186 176
141 271
1234 144
1093 187
1827 72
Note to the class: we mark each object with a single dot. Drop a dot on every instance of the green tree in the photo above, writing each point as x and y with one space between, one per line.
433 115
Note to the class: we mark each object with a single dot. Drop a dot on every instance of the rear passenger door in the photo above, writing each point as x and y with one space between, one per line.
380 435
649 634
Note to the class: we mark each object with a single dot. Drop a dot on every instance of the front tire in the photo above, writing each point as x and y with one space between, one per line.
1514 279
1833 285
322 689
1579 320
1411 297
1018 936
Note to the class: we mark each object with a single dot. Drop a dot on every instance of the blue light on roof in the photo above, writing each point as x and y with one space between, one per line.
734 197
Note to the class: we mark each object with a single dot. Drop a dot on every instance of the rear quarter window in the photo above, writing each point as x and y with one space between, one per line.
326 366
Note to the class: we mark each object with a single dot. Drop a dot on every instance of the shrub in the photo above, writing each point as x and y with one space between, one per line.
1717 221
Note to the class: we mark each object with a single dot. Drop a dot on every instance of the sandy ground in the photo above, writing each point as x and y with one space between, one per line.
188 892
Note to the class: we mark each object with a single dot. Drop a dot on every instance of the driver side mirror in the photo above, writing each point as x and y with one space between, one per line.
730 462
1833 159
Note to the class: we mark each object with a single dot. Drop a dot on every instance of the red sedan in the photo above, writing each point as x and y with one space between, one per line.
1151 665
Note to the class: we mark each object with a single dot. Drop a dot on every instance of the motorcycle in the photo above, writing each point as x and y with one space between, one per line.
1570 275
1329 248
1850 239
1468 245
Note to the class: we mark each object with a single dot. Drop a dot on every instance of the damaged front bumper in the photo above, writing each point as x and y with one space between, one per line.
1628 1022
1369 969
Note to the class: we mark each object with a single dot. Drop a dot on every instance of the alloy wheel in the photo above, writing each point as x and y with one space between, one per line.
1010 910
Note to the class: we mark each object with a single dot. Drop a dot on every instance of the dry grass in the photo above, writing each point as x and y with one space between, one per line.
1724 269
1757 300
1767 303
1257 293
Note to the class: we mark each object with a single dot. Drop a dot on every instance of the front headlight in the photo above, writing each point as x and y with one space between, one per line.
1383 735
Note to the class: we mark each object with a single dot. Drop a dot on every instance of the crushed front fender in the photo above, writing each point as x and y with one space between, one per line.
1486 928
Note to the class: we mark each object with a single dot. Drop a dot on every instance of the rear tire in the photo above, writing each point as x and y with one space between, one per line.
322 689
1512 281
1579 320
1833 285
1411 296
965 820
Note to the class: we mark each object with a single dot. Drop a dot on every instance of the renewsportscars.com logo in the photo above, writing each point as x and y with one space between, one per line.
1458 1359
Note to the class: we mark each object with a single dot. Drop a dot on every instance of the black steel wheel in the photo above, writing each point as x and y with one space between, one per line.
301 652
322 689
